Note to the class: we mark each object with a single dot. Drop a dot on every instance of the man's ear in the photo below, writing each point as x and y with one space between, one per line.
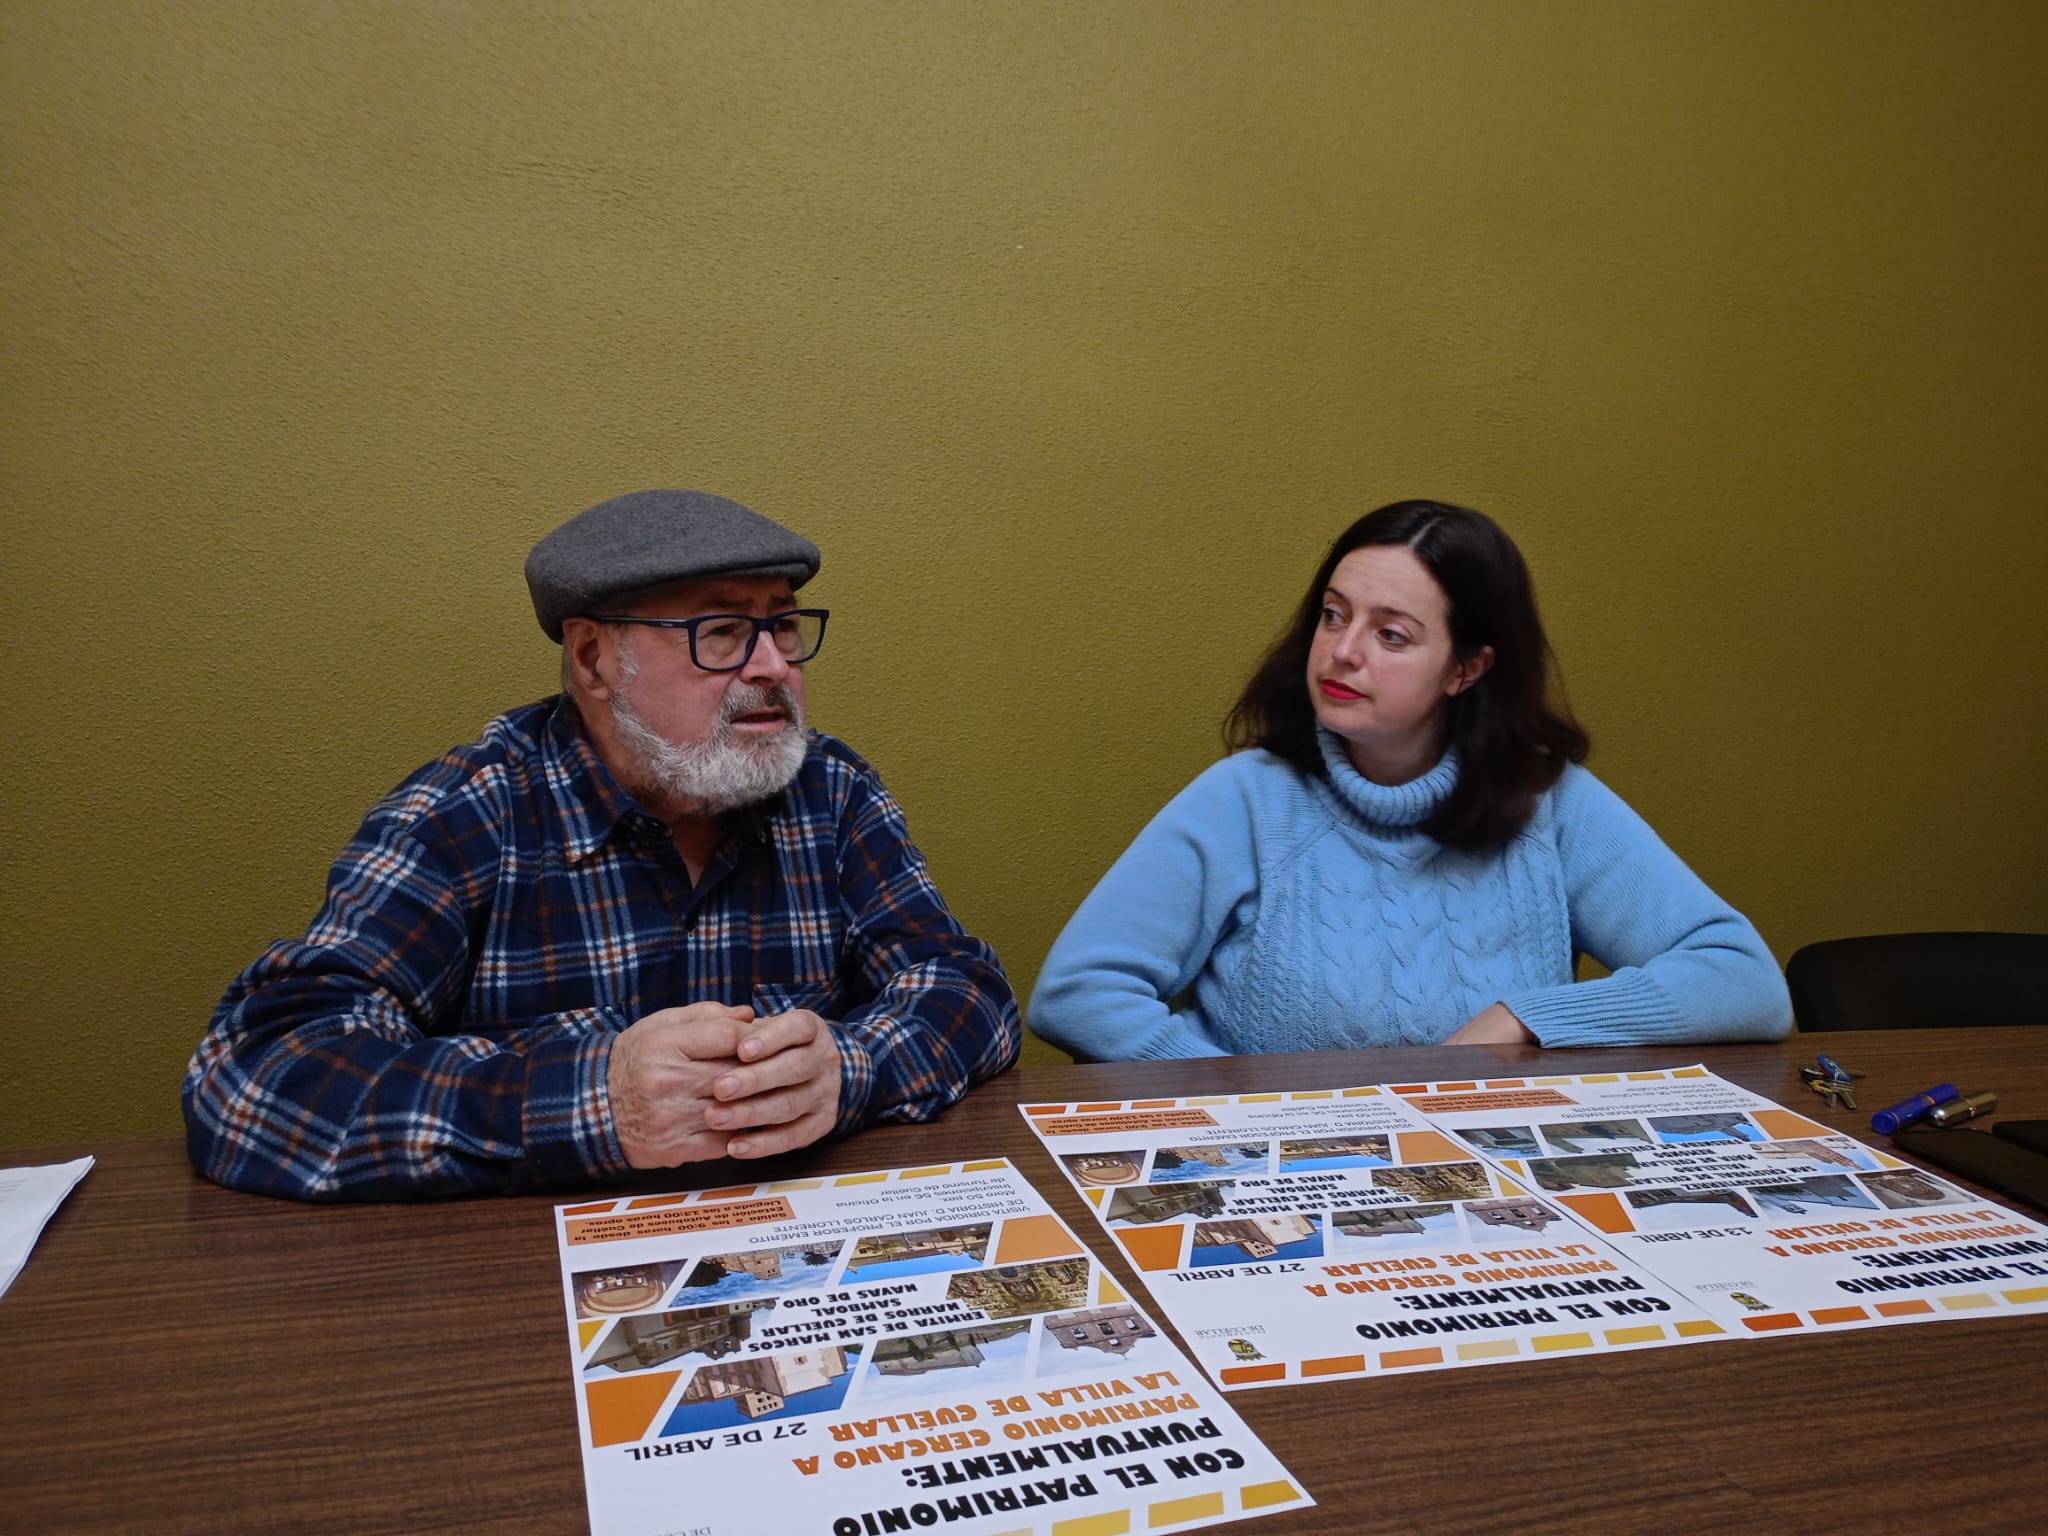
587 656
1469 671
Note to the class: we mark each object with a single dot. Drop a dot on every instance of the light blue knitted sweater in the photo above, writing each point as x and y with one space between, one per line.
1263 910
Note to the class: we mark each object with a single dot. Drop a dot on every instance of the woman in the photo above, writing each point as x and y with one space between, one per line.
1403 848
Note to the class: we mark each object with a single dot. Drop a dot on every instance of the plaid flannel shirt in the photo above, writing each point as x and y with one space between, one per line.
446 1023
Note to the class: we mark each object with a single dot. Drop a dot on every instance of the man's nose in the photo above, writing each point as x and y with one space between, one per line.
767 666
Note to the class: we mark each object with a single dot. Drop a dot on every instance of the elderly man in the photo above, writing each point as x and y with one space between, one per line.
650 921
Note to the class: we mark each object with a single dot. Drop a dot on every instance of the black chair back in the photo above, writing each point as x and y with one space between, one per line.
1920 981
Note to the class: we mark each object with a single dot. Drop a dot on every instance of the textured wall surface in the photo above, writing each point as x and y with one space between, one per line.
1072 332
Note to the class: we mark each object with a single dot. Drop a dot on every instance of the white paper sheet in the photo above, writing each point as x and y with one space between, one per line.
860 1353
29 1197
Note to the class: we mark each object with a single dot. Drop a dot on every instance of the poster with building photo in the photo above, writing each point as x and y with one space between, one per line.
1309 1235
1765 1218
882 1351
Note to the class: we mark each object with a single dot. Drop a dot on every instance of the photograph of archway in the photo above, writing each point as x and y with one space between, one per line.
1908 1189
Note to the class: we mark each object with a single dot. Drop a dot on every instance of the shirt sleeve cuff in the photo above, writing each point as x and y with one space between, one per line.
567 1127
856 1081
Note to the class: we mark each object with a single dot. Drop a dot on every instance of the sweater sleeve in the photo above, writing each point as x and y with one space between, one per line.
1147 930
1687 967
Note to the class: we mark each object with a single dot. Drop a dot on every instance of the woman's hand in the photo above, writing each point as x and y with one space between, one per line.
1492 1026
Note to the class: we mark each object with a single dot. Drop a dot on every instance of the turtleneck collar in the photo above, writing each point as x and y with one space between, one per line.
1387 805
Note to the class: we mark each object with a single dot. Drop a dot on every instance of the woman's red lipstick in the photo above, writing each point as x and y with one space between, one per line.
1336 690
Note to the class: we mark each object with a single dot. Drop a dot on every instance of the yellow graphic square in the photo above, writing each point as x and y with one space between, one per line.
1259 1495
1967 1303
1203 1506
1543 1343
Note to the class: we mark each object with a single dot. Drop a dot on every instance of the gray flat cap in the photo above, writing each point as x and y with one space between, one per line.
650 538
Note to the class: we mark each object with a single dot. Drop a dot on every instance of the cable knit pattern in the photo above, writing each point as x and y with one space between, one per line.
1263 910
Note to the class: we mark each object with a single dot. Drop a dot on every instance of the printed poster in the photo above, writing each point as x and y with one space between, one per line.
853 1354
1309 1235
1766 1219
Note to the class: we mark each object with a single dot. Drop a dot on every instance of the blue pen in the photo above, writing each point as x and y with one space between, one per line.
1885 1121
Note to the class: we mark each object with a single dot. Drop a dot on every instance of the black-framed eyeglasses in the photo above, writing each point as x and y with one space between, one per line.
724 642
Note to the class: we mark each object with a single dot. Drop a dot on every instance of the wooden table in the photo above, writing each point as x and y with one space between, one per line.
179 1358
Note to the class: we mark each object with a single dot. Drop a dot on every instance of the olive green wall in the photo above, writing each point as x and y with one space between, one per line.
1072 332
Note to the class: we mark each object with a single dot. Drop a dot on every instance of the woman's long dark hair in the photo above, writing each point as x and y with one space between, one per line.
1512 741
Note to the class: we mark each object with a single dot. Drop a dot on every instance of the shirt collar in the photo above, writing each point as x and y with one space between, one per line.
1387 805
590 800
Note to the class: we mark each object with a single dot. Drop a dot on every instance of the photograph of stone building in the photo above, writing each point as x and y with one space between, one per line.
756 1271
1522 1213
949 1349
921 1249
1150 1203
1335 1152
654 1338
1603 1170
764 1384
1688 1206
1504 1140
1112 1330
1435 1181
1578 1136
623 1288
1057 1285
1255 1237
1386 1221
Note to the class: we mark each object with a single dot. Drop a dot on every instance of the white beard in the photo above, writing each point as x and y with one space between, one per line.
723 773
